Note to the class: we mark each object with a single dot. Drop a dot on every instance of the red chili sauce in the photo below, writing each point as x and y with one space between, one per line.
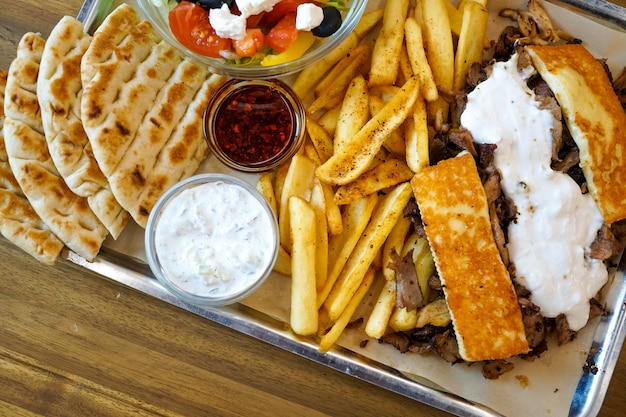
254 125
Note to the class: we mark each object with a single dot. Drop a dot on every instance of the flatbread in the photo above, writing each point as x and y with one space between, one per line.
486 316
594 117
59 89
142 108
19 223
66 214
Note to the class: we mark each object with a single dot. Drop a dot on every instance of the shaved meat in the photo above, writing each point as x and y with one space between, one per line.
493 369
563 332
605 245
570 160
408 291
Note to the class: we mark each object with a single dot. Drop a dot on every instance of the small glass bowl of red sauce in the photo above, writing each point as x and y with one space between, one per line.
254 125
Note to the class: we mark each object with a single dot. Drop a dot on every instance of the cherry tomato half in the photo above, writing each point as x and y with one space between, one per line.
189 24
285 7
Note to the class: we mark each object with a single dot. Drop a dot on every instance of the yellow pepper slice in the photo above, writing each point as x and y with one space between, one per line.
303 42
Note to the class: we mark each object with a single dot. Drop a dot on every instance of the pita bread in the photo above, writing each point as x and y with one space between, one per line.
18 221
59 90
486 316
142 108
594 117
66 214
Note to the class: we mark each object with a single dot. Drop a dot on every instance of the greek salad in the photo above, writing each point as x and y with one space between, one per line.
245 32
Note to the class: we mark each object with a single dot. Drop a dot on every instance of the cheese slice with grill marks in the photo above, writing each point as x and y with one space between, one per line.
594 117
479 292
66 214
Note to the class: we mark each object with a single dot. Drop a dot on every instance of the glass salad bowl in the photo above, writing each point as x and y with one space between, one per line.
233 65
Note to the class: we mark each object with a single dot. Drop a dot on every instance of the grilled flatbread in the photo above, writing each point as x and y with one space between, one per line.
486 316
59 90
19 222
66 214
594 117
142 109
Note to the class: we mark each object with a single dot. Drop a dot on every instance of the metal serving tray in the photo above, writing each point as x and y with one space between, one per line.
592 385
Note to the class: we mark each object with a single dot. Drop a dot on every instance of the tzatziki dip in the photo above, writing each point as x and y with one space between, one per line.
215 239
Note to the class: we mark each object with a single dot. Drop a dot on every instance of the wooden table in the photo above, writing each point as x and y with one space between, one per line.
74 343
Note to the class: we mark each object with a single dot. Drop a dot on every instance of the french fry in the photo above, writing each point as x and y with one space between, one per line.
320 138
303 316
311 153
417 138
332 95
312 74
402 319
329 339
283 262
405 70
366 249
435 313
440 54
298 182
266 188
318 204
385 57
355 157
354 112
367 22
279 182
378 321
389 173
355 219
333 213
470 45
330 119
394 243
394 142
417 58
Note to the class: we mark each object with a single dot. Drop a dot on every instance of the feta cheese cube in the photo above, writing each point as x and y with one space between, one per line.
252 7
308 16
226 24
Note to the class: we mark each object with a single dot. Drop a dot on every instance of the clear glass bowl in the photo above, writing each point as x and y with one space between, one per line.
156 12
254 125
212 239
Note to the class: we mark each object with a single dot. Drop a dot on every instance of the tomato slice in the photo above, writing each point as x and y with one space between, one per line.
251 44
284 7
190 25
283 34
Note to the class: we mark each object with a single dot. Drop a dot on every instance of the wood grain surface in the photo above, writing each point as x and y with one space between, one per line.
73 343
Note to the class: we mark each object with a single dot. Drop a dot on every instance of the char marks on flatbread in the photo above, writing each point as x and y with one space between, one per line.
594 117
66 214
19 222
59 90
142 108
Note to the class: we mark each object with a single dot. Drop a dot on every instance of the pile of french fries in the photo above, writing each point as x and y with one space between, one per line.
374 107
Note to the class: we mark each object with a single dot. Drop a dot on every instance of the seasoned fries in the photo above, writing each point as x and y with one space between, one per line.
372 111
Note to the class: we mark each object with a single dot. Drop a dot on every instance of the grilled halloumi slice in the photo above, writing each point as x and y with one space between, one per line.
594 117
483 305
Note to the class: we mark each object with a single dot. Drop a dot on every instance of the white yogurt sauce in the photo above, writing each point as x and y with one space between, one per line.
214 239
556 223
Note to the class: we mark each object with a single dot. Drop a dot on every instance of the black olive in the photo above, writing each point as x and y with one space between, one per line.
215 4
330 24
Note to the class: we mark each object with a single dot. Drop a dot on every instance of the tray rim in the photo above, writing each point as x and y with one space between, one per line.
592 386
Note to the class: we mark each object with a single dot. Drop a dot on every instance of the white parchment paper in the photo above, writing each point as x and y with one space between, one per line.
541 388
